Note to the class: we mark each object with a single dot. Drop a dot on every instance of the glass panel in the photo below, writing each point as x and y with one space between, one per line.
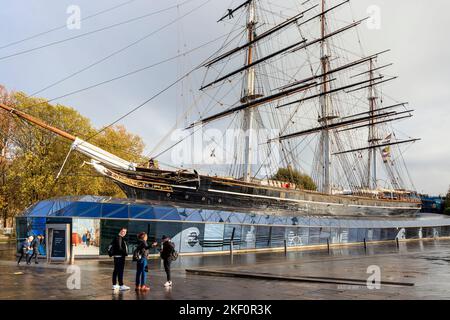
195 216
277 237
248 237
21 230
141 212
352 235
213 240
109 229
83 209
170 229
136 227
262 237
41 209
334 235
36 226
191 238
362 235
118 211
292 237
324 235
314 236
86 236
343 235
445 231
166 213
401 234
232 232
412 233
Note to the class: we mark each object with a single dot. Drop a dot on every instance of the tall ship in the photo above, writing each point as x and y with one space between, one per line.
291 84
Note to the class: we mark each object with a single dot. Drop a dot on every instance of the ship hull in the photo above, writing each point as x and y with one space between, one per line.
216 200
213 193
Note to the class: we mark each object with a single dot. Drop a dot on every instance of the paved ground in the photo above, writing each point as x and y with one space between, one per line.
426 264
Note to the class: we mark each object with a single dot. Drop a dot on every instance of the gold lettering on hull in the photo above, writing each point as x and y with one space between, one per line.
139 184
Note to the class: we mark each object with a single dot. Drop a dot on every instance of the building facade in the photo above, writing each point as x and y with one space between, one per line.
94 221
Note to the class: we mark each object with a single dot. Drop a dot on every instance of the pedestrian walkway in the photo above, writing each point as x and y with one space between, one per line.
422 266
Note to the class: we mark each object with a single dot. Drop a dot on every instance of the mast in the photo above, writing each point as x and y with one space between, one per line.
324 103
372 162
93 152
249 92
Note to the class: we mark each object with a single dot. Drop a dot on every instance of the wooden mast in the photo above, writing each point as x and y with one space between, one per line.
372 162
37 122
325 117
249 93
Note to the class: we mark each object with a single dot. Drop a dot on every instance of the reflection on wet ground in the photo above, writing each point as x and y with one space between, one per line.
422 263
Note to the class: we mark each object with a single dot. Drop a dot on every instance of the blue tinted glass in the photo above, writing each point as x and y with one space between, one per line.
166 213
114 211
141 212
86 209
213 239
41 209
195 216
238 217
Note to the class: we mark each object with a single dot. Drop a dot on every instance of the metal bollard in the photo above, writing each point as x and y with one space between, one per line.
285 247
328 245
365 245
398 244
231 248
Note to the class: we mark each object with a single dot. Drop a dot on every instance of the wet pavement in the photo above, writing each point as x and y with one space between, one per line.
420 268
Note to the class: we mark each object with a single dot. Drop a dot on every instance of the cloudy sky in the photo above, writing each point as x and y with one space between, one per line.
414 30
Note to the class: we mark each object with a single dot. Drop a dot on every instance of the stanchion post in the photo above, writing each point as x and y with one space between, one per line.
398 245
231 248
328 245
285 247
365 245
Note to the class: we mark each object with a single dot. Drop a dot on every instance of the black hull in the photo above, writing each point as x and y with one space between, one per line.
195 191
230 199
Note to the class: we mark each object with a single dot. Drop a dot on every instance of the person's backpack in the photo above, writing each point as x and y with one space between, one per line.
110 250
174 254
137 255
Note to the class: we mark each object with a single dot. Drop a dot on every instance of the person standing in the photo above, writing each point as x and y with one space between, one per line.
25 248
120 252
35 246
88 238
167 248
141 254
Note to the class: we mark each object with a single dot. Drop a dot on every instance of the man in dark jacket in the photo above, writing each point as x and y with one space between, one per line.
120 251
25 247
35 246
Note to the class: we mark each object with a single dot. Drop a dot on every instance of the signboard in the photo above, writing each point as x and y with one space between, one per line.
58 242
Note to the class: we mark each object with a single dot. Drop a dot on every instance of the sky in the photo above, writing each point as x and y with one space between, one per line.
414 30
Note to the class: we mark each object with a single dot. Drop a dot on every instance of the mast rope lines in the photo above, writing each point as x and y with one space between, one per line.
92 151
114 53
64 26
92 32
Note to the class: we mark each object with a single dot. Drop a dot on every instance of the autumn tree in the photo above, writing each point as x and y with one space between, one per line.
36 155
447 203
303 181
6 130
